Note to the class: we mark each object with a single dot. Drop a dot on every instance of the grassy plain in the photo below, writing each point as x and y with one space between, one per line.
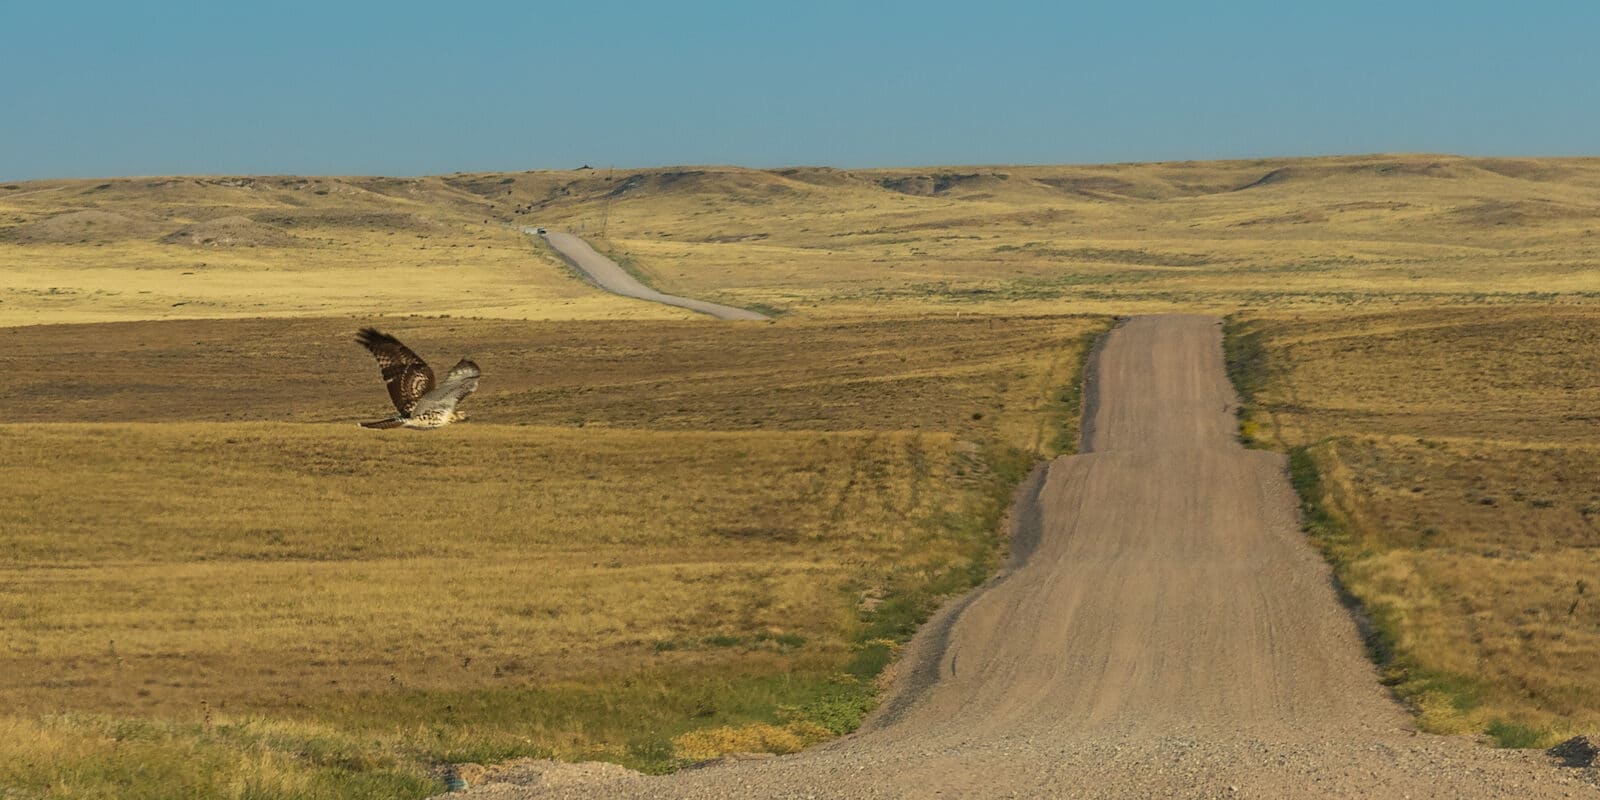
1338 232
1326 232
204 248
1424 325
1453 462
654 541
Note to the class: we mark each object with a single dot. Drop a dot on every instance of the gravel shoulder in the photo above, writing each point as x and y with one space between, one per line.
1163 630
608 275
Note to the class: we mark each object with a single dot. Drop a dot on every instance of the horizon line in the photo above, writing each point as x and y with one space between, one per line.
734 166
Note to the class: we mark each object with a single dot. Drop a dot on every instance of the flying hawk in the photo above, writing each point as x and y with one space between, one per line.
421 402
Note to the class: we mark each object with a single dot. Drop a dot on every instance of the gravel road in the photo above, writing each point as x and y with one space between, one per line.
1163 630
606 274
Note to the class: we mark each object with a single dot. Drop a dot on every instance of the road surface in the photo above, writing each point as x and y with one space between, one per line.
606 274
1164 630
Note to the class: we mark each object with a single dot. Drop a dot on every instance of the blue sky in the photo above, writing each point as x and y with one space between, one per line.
402 88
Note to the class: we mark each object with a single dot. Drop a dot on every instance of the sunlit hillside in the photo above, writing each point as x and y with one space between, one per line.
1361 230
186 248
1305 232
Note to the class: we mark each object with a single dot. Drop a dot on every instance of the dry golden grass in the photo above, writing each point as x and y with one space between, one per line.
1121 238
1429 319
1459 458
186 248
649 528
758 738
273 567
975 377
1310 233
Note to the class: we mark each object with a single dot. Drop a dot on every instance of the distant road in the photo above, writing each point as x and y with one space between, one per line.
606 274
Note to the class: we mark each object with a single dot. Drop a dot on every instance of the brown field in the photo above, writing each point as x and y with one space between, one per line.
937 374
1459 462
648 528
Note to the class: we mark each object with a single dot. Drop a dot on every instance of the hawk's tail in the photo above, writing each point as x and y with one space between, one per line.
392 422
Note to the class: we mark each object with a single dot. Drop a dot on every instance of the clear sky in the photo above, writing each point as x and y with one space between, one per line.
404 88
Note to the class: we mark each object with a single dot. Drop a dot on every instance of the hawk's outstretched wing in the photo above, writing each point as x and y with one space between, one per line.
461 381
406 375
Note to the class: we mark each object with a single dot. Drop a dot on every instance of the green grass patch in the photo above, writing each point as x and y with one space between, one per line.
631 721
1512 734
767 309
78 756
391 745
1067 407
1245 356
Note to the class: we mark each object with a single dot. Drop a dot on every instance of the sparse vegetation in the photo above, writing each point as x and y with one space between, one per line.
207 583
1068 409
1246 361
1445 460
728 563
1309 234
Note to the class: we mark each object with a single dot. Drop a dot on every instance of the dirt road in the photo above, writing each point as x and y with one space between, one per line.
1163 630
606 274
